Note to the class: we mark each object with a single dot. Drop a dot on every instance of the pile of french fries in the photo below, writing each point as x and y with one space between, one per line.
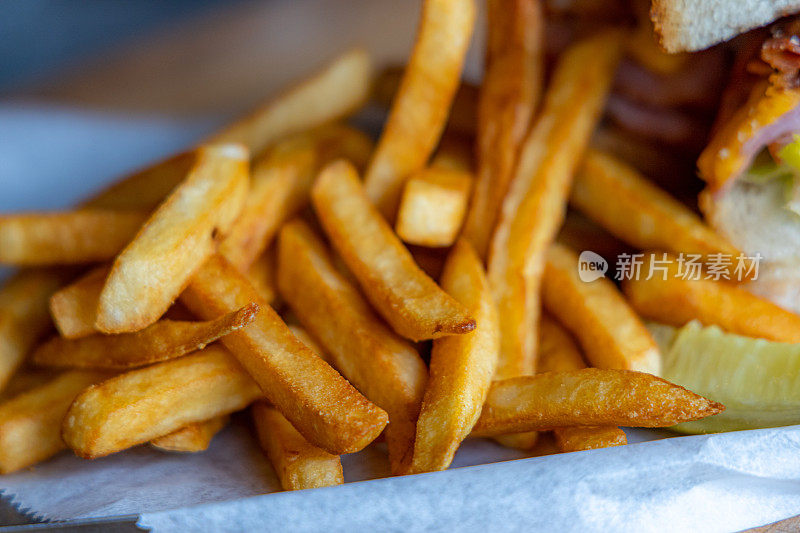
287 265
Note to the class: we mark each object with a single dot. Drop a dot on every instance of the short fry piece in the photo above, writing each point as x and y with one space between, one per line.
405 296
610 333
669 298
420 107
433 206
193 438
23 316
383 366
74 307
30 423
641 214
461 366
333 93
509 94
534 206
298 463
166 339
588 397
155 267
71 237
167 396
558 353
315 398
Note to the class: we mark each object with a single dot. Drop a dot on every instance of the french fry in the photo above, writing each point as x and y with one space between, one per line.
74 307
155 267
558 353
461 366
30 423
70 237
193 438
23 316
384 367
336 91
315 398
299 464
608 330
433 206
534 206
509 94
167 396
408 299
641 214
588 397
166 339
672 298
281 185
422 102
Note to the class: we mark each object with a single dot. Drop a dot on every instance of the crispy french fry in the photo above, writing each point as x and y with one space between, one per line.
509 94
461 366
261 275
23 316
74 307
167 396
433 206
70 237
166 339
608 330
298 463
153 269
281 185
30 423
315 398
384 367
336 91
671 297
193 438
558 353
408 299
534 206
641 214
422 102
588 397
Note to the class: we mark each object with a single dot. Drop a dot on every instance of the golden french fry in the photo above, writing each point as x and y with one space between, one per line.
509 94
315 398
30 423
670 297
578 439
23 316
70 237
166 339
261 275
167 397
74 307
433 206
193 438
641 214
408 299
588 397
384 367
461 366
610 333
421 105
558 353
153 269
336 91
534 206
298 463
